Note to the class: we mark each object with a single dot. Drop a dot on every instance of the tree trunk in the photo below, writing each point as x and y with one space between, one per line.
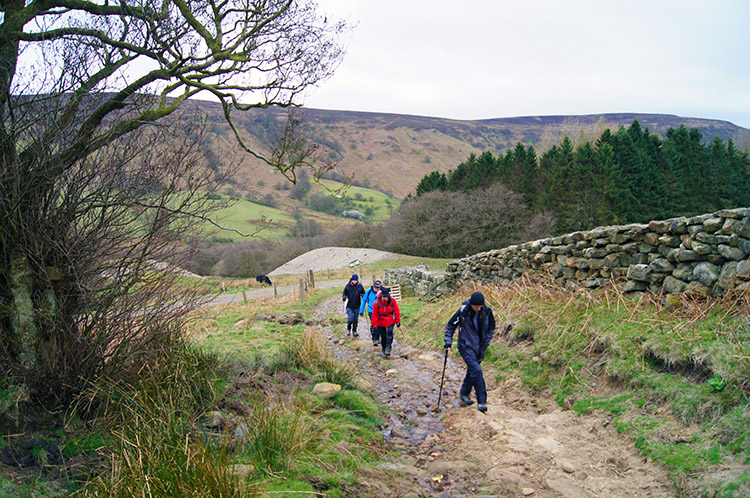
23 323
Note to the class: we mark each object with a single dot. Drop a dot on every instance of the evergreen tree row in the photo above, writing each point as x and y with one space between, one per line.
625 177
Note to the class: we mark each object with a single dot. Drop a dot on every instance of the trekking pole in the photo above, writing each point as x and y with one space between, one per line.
442 378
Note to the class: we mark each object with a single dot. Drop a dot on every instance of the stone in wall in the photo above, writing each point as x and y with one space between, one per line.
418 281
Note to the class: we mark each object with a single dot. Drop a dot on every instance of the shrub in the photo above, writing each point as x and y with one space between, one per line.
455 224
324 204
353 213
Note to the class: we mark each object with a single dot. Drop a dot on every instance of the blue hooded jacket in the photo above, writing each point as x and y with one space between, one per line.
471 339
369 300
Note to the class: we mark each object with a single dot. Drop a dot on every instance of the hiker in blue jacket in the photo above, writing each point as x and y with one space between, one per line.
370 296
352 295
477 326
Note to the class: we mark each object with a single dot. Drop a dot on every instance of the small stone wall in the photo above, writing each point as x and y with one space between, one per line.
703 255
418 281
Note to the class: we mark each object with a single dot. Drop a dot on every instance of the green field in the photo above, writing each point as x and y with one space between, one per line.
264 222
361 198
250 218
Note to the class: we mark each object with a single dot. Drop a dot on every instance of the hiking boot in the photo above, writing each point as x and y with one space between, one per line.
465 400
376 343
482 407
355 334
387 352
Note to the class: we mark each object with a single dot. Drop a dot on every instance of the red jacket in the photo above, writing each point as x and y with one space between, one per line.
385 314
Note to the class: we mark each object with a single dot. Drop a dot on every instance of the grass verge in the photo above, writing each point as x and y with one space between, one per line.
674 378
229 413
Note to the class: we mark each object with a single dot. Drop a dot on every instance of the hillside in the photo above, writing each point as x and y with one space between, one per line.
243 215
392 152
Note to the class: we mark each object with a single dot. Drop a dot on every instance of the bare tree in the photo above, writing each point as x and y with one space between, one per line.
97 189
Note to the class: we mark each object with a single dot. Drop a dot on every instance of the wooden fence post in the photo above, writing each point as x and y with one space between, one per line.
302 290
311 277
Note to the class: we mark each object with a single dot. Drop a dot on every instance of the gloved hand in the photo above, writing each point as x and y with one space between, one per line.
398 324
361 314
447 346
343 299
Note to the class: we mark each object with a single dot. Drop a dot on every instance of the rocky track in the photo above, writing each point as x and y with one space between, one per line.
523 446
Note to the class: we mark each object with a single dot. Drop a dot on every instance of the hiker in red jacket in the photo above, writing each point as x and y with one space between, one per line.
385 315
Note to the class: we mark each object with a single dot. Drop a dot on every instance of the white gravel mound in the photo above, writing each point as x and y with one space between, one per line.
330 258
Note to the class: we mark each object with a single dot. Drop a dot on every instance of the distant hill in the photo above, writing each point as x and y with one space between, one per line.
392 152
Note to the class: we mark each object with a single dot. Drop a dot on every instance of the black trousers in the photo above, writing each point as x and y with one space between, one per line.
386 336
474 377
375 336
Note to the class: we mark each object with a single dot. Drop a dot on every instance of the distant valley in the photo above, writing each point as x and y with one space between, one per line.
392 152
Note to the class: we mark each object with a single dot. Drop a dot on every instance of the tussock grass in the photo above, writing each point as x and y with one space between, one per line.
310 352
642 361
276 437
158 450
156 441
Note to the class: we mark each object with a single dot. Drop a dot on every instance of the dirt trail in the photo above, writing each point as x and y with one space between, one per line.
523 446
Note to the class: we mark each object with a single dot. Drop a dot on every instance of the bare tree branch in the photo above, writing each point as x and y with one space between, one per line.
102 178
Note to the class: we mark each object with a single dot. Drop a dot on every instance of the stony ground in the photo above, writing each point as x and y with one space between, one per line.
523 446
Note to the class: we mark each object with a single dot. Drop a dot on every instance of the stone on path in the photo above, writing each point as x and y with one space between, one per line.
243 470
325 390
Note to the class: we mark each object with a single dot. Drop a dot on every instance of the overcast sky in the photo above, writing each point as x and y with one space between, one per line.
491 59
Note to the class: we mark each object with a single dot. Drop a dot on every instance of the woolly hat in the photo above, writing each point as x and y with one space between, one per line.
355 277
385 292
376 284
477 299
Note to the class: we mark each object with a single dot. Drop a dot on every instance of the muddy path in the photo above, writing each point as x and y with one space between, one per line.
522 446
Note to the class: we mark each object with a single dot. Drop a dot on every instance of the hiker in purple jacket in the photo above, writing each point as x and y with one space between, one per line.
477 326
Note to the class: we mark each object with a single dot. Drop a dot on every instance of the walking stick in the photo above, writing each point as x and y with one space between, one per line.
442 378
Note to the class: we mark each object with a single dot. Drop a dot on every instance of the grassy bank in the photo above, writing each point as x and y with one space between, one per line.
228 413
674 378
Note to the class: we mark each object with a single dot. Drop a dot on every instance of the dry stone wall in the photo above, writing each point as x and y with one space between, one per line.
703 255
418 281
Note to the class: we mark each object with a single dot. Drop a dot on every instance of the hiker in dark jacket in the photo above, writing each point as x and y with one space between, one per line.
366 307
353 292
385 314
477 326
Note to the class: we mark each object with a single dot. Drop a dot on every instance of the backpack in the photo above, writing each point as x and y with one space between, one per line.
390 303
